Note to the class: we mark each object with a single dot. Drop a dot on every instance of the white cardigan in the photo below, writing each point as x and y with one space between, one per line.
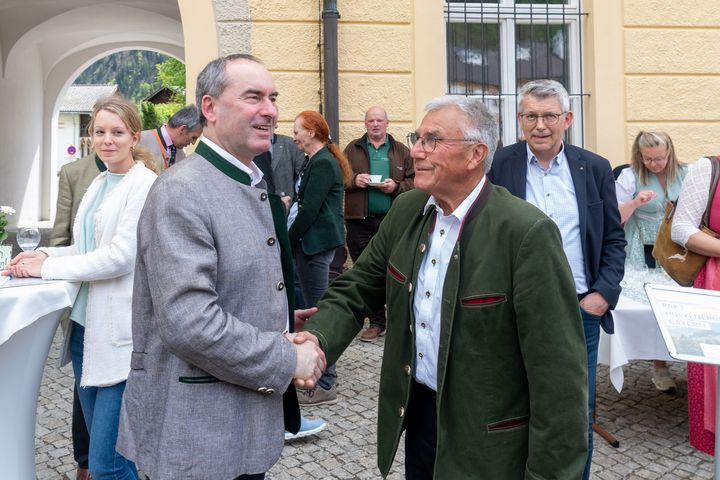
110 270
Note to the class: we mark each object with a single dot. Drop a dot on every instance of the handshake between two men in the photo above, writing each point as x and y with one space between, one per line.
311 360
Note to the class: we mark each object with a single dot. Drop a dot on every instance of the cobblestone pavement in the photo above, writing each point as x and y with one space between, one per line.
650 426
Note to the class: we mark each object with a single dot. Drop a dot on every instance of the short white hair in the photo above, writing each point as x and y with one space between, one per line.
480 124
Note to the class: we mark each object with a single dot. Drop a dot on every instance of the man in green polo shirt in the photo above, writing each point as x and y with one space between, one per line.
366 201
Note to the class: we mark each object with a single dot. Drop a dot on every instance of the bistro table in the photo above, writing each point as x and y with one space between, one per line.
637 335
30 310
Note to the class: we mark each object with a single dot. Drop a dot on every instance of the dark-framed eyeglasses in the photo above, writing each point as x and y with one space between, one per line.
429 142
648 161
548 119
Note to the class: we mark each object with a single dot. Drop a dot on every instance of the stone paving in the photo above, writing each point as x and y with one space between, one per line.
650 426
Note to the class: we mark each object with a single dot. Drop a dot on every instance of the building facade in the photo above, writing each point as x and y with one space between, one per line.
629 65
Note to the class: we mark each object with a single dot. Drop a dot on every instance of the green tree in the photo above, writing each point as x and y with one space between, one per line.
171 74
131 70
150 118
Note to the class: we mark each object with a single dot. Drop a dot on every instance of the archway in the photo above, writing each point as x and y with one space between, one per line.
45 45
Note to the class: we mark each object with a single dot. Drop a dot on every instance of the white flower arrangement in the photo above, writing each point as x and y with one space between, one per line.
4 212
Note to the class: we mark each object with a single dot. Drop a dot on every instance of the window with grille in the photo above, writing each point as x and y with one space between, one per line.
493 48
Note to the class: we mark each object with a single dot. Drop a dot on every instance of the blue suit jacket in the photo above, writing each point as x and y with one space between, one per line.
603 238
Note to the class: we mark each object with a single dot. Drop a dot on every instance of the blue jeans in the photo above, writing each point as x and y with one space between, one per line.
591 325
313 276
101 407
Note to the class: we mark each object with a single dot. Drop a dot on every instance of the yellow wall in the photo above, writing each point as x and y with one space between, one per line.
603 79
377 41
651 64
672 73
201 42
648 64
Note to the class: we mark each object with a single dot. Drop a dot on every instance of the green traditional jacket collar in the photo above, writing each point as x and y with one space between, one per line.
221 164
278 215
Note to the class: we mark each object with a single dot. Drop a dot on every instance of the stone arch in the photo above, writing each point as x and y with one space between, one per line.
44 46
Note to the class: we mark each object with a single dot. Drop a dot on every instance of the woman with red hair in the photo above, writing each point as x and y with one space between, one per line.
316 224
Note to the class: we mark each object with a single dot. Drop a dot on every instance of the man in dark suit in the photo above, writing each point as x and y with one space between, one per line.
576 189
281 165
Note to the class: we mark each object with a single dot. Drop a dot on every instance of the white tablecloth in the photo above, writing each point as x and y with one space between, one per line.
637 337
29 315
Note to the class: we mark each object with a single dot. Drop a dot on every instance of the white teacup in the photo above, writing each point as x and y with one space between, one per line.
375 178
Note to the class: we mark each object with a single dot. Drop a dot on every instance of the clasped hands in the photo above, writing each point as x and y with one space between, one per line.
311 361
26 264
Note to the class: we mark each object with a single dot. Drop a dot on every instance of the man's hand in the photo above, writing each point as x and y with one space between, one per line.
26 264
387 186
594 304
301 317
310 359
362 180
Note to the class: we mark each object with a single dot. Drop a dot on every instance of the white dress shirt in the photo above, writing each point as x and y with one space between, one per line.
553 192
427 301
692 201
255 173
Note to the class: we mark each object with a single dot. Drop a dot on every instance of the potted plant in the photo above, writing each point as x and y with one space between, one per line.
5 250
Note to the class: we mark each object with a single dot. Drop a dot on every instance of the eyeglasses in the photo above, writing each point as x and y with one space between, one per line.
648 161
429 142
548 119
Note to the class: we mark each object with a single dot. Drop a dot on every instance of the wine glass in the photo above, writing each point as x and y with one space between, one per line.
28 238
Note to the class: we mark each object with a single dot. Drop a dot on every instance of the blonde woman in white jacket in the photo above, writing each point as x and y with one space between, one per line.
102 257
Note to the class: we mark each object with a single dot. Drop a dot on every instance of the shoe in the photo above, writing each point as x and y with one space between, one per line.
372 333
307 427
663 381
317 396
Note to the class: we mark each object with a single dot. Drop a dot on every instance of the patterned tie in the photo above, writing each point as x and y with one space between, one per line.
173 151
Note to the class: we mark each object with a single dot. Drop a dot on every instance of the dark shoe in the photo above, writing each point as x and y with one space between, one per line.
372 333
317 396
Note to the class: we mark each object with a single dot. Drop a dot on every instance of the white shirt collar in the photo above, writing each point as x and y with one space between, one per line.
166 136
559 158
255 173
464 207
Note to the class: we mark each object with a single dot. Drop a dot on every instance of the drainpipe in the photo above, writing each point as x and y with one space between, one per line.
330 16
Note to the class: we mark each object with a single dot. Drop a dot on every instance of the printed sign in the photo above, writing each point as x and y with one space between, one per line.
689 319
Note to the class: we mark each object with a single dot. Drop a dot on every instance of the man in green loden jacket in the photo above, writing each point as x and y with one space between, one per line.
484 365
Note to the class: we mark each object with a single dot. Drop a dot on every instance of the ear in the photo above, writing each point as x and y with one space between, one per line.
568 119
480 152
207 107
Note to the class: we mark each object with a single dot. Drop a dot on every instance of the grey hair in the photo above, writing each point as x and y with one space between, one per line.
480 124
543 89
188 116
213 80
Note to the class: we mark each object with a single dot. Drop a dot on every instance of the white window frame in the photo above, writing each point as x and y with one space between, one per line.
507 14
